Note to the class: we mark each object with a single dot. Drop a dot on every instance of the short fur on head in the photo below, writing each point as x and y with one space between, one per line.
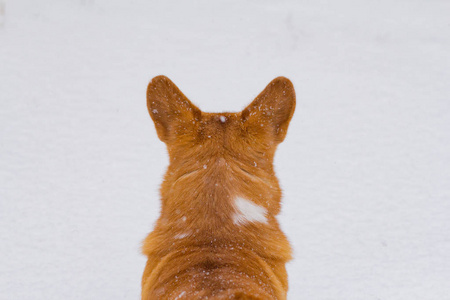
217 236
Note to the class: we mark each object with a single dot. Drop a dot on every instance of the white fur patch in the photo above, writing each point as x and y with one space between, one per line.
247 212
181 295
181 235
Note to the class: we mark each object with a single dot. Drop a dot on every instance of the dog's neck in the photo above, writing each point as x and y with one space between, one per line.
205 193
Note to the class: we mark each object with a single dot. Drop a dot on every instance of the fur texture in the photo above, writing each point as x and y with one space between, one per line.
197 250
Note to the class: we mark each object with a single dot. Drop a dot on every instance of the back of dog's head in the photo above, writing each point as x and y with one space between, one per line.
249 136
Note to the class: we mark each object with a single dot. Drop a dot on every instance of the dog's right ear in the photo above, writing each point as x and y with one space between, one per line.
169 108
272 109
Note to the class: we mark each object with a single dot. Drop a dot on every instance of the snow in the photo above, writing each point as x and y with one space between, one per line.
365 167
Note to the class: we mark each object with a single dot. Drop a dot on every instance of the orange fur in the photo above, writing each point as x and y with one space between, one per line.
196 251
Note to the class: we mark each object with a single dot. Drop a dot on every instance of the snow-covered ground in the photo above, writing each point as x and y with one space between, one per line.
365 167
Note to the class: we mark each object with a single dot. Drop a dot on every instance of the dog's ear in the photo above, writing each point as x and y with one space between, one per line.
272 109
169 108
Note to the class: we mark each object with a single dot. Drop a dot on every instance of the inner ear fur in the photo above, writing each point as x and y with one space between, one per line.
169 107
273 107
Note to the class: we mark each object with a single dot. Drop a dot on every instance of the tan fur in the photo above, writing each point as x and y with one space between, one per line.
195 250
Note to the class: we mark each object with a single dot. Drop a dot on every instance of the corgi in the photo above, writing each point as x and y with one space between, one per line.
217 236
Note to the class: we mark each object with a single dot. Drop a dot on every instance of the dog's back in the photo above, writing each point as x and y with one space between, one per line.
217 236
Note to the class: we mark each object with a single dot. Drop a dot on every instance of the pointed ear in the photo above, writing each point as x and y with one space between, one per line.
272 110
169 108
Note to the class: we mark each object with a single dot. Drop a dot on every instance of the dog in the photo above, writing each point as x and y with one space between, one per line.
217 236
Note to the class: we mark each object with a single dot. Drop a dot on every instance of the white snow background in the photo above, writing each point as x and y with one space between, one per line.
365 167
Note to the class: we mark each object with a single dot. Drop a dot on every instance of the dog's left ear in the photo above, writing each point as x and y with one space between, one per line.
170 109
272 110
